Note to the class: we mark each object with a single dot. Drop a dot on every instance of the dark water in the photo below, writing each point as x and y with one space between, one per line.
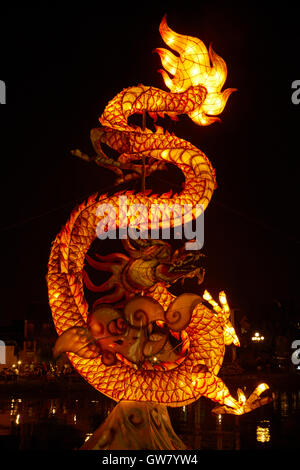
65 421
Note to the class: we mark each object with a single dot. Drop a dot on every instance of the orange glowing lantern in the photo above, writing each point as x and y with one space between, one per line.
191 69
229 332
126 352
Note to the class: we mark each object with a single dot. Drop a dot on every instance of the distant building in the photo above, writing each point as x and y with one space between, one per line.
2 352
29 340
7 355
2 92
39 339
28 352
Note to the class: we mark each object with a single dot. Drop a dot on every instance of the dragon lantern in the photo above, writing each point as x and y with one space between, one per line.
139 343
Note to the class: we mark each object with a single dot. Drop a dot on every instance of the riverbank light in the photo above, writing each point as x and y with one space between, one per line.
257 337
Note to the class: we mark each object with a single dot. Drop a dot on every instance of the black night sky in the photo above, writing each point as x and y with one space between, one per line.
62 66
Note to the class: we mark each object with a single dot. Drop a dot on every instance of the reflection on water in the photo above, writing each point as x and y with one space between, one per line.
263 431
284 404
66 422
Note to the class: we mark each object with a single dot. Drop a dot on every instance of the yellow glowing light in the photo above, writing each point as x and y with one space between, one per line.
223 298
263 432
241 396
213 303
194 71
229 401
257 337
223 301
87 436
206 295
230 335
215 306
196 66
261 388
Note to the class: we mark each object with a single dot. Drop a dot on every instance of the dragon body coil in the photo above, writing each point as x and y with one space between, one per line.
195 90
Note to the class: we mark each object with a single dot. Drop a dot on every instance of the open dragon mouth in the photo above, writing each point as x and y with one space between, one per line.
174 274
187 265
149 262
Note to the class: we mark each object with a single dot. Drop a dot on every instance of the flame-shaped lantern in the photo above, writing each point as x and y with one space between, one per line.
193 68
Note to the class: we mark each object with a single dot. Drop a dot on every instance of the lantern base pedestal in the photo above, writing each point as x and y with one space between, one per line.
135 425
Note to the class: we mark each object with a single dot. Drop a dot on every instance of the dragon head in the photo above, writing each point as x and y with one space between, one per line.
192 68
170 266
183 265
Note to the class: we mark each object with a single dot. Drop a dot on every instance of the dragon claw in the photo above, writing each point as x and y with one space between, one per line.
244 405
